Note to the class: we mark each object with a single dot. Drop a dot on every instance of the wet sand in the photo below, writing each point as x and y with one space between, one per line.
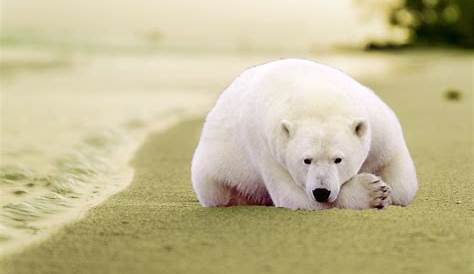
157 226
68 132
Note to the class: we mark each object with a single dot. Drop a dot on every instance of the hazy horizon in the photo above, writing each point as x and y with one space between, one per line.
210 24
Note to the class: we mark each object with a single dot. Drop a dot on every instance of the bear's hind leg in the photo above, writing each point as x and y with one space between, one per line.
211 193
259 196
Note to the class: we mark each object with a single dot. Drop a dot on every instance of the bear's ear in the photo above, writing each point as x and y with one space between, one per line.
359 127
287 128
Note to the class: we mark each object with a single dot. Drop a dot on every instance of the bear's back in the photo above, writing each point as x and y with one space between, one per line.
292 88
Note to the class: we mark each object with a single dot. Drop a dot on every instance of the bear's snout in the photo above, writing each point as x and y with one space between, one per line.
321 194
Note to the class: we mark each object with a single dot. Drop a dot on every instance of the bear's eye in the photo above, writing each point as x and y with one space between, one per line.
337 160
307 161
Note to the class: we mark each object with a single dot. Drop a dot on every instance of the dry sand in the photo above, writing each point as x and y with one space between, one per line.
157 226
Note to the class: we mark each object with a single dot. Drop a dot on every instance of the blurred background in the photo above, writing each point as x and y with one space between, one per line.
82 82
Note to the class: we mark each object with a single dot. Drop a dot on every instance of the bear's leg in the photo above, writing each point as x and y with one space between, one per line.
400 174
210 193
285 193
363 191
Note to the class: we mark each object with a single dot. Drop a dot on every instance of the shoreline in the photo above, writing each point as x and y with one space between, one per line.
68 132
119 177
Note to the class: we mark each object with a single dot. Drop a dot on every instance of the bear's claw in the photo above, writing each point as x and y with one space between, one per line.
381 193
363 191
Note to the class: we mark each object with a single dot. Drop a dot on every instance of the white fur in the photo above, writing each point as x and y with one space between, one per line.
275 115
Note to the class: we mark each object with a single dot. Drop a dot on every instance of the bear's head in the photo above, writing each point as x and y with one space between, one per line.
322 155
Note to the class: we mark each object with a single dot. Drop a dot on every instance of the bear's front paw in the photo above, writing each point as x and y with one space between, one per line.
364 190
379 191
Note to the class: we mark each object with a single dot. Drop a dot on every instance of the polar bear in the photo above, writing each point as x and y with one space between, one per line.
301 135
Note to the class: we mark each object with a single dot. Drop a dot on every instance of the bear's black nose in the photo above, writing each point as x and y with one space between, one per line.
321 194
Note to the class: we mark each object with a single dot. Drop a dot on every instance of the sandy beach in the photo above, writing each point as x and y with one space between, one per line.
157 226
71 122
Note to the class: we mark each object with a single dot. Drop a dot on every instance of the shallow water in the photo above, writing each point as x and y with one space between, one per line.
67 133
70 122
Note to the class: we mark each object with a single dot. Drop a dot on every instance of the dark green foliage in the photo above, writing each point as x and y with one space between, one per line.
453 95
437 22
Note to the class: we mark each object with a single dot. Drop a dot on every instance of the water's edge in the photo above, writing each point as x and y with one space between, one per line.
33 221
